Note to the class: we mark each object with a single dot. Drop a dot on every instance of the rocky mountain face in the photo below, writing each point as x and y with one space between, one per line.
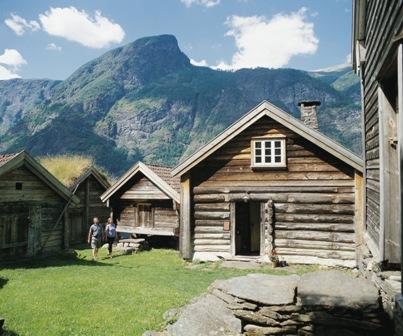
147 101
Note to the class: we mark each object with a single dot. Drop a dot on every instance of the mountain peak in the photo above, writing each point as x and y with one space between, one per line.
159 41
153 56
132 65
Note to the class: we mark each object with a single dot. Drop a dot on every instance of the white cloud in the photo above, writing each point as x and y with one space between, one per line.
12 58
10 62
19 25
202 63
204 3
348 59
53 47
78 26
270 43
7 74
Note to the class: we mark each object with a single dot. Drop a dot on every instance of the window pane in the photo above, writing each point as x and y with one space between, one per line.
267 144
267 151
258 144
277 144
258 152
277 159
277 151
258 159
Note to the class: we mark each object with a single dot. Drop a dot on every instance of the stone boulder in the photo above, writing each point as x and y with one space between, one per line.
337 289
261 288
206 316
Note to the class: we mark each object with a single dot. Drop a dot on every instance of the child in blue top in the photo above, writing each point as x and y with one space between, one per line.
110 232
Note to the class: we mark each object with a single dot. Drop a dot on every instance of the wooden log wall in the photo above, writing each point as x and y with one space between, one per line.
165 217
41 203
383 20
313 198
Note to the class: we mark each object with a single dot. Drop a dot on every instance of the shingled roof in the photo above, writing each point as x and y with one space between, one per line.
165 174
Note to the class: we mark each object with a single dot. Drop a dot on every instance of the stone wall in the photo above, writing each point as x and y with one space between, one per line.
319 303
389 284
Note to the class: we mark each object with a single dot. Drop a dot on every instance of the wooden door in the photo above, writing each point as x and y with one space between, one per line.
14 226
145 215
77 234
389 170
34 230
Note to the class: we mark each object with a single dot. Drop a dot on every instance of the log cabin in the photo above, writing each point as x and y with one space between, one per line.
271 185
377 57
88 187
145 201
33 207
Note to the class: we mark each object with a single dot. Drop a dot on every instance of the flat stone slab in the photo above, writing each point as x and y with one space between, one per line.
240 264
261 288
207 316
337 289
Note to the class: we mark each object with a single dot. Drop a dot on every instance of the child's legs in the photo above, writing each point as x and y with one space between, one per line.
110 244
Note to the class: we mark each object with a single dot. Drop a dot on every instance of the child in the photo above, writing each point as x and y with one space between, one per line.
110 232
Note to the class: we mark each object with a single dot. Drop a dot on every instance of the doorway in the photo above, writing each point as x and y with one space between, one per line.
247 228
78 234
389 164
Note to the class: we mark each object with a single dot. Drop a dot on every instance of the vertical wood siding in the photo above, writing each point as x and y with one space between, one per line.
383 20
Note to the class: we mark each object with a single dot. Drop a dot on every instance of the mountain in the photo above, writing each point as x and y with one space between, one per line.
146 101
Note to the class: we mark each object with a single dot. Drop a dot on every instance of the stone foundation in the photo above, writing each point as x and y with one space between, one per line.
389 284
320 303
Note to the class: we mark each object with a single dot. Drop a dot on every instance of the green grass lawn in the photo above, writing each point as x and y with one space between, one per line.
126 295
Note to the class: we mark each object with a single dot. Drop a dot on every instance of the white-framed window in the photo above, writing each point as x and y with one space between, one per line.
268 153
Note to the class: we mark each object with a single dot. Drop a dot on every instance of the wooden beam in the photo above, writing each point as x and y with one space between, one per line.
359 215
170 232
233 228
86 206
400 142
66 233
185 233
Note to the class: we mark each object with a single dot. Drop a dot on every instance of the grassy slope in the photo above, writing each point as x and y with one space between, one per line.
125 295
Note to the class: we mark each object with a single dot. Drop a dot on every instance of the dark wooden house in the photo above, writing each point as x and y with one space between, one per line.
377 57
88 187
34 207
145 201
267 185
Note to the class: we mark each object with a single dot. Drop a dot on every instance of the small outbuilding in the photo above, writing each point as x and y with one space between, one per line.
272 186
34 207
145 201
88 187
88 183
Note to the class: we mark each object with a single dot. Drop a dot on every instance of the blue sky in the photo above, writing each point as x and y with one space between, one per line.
51 39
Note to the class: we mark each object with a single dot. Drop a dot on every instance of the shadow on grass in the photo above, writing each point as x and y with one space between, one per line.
49 261
3 282
9 333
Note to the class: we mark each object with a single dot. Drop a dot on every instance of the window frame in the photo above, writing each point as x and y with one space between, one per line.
283 153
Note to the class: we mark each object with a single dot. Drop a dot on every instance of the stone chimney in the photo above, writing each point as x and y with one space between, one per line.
308 110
